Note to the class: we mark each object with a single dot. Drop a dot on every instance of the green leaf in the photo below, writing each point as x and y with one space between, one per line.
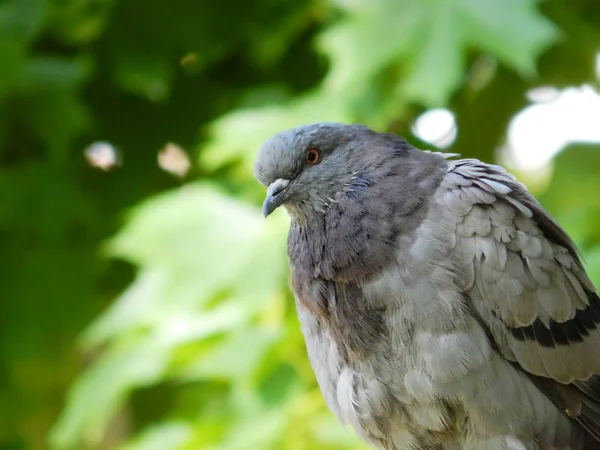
133 309
195 245
191 229
356 47
13 60
256 432
513 30
239 135
236 356
203 349
20 20
54 118
568 192
181 238
576 171
44 72
101 389
592 264
429 39
144 75
442 49
167 435
79 23
49 102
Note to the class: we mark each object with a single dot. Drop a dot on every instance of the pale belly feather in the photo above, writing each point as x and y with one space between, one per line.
434 378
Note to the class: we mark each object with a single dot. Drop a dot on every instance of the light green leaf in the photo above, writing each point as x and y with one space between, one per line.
429 39
568 192
102 388
238 355
133 309
239 135
512 30
188 226
441 49
260 431
166 435
592 264
193 243
174 322
356 47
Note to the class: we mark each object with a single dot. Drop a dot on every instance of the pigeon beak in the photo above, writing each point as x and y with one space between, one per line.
275 196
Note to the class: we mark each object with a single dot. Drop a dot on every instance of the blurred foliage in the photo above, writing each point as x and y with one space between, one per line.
201 347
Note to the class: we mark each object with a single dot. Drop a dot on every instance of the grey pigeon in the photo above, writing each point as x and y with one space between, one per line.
442 306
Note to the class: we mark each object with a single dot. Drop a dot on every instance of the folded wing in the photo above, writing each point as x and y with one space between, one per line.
526 282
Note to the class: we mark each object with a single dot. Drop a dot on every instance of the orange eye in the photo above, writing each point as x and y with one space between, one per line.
313 156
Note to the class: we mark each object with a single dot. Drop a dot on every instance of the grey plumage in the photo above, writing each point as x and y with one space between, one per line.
442 307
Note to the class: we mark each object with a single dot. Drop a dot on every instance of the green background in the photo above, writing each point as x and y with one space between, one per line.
141 311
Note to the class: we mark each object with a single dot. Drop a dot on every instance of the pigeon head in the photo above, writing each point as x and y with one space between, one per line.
309 167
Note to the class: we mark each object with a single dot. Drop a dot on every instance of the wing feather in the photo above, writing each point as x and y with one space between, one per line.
526 281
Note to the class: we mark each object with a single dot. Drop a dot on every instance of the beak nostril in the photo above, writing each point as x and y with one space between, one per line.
277 191
276 187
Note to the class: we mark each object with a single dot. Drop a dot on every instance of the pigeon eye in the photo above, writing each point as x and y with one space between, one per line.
313 156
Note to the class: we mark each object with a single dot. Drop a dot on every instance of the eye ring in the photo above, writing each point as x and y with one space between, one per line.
313 156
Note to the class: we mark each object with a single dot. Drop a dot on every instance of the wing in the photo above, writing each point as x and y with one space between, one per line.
526 281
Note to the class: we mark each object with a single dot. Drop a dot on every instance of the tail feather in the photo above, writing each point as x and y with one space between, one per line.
589 395
580 400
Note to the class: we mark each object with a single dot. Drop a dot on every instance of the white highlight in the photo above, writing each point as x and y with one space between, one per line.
437 127
541 130
555 119
173 159
102 155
